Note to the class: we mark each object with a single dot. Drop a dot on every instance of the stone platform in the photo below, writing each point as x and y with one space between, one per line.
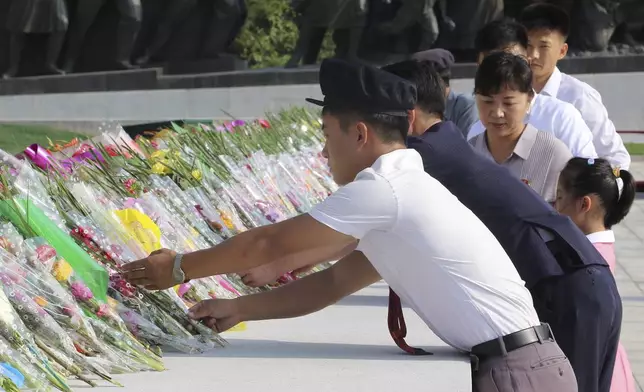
183 76
345 347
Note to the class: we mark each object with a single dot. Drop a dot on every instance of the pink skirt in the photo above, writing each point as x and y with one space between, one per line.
622 375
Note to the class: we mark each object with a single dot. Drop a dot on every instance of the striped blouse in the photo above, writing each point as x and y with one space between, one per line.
537 159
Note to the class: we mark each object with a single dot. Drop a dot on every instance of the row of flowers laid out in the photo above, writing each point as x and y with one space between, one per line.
70 215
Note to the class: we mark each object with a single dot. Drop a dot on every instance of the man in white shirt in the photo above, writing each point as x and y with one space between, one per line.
548 26
547 114
409 229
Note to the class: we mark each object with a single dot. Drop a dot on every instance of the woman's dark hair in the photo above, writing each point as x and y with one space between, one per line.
499 35
546 16
503 70
582 177
430 86
390 128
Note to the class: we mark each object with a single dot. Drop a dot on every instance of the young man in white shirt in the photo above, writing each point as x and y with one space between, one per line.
548 27
409 230
547 114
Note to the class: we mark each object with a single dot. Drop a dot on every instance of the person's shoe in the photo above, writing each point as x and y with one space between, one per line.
143 60
125 65
51 69
11 73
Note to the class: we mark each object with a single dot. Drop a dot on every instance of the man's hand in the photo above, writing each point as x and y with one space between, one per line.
218 314
260 276
153 272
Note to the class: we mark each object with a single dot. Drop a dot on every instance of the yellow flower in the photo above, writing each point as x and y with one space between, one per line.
227 220
159 154
196 174
62 270
40 301
176 154
160 168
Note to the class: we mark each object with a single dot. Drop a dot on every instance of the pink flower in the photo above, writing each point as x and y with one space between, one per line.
103 310
5 279
67 311
265 124
81 292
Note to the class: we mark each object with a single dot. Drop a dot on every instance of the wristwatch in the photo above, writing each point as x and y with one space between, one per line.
177 273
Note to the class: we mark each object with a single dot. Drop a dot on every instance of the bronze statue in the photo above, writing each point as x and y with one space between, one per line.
85 15
175 13
36 16
420 13
345 17
219 35
469 16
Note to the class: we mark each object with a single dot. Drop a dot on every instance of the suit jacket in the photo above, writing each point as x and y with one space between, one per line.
527 227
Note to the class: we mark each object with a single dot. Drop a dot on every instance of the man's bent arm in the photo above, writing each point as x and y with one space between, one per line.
311 258
312 293
263 245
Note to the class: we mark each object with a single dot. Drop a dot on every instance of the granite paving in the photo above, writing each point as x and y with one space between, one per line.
630 278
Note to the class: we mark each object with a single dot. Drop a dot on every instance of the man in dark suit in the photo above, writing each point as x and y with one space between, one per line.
572 287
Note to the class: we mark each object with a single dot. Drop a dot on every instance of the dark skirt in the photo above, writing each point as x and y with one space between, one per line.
37 16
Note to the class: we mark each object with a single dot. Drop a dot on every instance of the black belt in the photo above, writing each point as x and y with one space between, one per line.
514 341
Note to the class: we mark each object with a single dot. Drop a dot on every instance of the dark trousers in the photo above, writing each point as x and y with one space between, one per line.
584 310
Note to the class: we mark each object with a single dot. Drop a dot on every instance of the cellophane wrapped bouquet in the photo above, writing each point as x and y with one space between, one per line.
70 219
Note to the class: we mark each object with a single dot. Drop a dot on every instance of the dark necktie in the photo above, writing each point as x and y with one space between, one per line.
397 326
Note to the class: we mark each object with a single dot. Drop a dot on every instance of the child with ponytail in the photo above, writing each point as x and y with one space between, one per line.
596 197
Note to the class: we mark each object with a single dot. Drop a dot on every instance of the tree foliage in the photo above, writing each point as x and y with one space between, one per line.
270 34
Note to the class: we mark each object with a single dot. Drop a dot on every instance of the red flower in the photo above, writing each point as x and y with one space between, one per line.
264 123
112 151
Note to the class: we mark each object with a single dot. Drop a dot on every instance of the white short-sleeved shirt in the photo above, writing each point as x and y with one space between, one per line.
560 118
434 252
588 102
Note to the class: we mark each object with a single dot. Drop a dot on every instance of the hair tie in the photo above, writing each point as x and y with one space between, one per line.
591 161
616 171
620 187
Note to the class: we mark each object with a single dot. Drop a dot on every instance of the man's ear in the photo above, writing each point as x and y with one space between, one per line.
564 51
411 116
362 133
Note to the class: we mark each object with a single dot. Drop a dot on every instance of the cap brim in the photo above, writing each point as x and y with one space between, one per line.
315 101
391 113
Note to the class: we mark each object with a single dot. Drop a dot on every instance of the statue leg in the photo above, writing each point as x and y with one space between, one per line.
54 46
314 45
355 37
227 12
16 45
128 30
86 12
175 14
239 25
429 31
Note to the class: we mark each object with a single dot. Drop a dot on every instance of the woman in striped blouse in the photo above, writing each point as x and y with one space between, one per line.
503 87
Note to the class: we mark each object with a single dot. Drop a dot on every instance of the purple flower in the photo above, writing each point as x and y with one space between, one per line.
81 292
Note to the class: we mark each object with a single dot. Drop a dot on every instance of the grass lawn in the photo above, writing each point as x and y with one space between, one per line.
635 148
14 138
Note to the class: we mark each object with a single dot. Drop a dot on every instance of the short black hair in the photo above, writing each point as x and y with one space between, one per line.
583 176
500 34
546 16
502 69
391 129
430 87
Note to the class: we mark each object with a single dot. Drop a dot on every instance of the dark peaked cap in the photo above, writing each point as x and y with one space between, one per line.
441 58
364 87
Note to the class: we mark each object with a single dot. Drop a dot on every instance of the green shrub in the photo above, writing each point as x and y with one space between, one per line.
270 34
